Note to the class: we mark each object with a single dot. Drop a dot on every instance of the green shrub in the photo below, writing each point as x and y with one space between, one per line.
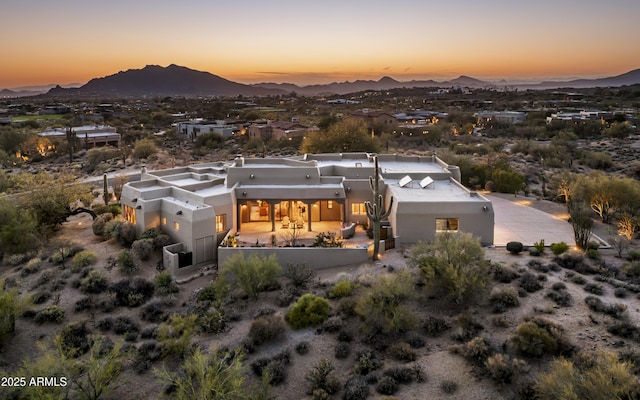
381 307
504 297
515 247
120 230
175 335
51 313
83 260
402 352
114 209
539 337
539 246
266 328
99 224
602 377
366 362
309 310
476 350
322 380
253 275
126 262
73 340
95 282
143 248
275 367
634 255
559 248
341 289
435 326
503 369
165 283
131 292
207 293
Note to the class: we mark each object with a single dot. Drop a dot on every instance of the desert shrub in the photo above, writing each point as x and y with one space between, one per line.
416 342
503 273
143 248
503 369
73 340
144 148
147 353
620 292
32 266
266 328
165 283
299 275
83 259
381 307
309 310
40 297
121 231
500 321
560 296
515 247
593 254
342 350
122 325
530 282
84 303
366 362
534 252
356 388
625 329
476 350
207 293
322 380
449 386
504 297
538 337
633 255
616 310
153 312
570 260
405 375
99 224
342 288
559 248
105 324
114 209
538 266
174 336
402 352
95 282
332 324
212 320
468 328
578 279
253 275
594 288
605 377
455 263
126 262
50 313
303 347
132 292
274 366
387 386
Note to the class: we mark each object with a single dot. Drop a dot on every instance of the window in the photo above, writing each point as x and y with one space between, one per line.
446 224
129 214
330 204
176 226
358 208
221 223
164 220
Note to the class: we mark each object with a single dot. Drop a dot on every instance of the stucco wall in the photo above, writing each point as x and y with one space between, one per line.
313 257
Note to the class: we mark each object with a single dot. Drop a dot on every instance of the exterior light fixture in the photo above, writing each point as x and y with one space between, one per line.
337 193
252 176
139 208
179 212
244 194
485 208
349 189
308 176
135 200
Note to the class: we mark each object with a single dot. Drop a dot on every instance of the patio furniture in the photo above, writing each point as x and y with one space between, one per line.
348 231
285 222
300 222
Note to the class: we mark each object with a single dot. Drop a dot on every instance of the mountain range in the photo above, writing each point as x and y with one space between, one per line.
174 80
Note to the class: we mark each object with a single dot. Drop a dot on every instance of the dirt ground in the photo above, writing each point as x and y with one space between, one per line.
584 328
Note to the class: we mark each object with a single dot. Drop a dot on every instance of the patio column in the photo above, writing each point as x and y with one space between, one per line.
342 203
308 216
272 215
238 216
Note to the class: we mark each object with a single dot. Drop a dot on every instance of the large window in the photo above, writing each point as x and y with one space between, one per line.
221 223
446 224
358 208
129 214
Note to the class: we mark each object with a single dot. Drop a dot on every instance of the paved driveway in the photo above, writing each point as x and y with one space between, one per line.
515 221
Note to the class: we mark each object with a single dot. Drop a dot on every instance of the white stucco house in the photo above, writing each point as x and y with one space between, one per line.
199 205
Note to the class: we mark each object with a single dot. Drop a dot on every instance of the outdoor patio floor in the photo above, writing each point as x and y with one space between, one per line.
252 232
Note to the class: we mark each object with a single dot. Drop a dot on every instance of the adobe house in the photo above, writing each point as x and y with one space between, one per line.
199 205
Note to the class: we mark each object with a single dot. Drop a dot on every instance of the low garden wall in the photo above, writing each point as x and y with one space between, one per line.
313 257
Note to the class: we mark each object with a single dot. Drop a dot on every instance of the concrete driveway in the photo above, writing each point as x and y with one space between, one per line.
517 221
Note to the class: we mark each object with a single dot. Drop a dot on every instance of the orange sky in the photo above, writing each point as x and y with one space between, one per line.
321 42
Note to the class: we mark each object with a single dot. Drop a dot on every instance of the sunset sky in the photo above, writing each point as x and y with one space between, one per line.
303 42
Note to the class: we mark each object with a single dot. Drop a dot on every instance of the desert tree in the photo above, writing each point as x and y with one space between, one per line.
581 223
11 307
455 262
343 136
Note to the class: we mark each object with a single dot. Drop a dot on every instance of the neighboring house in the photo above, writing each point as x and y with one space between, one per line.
195 127
198 205
88 136
277 130
374 119
507 117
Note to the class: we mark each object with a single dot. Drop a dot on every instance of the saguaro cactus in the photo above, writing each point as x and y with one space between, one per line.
375 209
105 192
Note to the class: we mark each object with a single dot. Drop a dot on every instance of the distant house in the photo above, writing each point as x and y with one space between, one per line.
277 130
373 119
507 117
193 128
88 135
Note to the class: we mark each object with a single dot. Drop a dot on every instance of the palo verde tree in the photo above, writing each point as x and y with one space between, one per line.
581 223
341 137
375 209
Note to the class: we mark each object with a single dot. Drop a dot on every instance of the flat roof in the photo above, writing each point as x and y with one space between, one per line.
438 191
